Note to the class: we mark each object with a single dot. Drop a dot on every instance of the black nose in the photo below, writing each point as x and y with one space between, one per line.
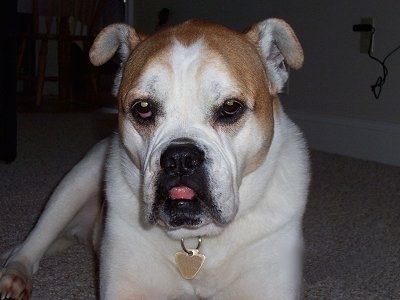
181 158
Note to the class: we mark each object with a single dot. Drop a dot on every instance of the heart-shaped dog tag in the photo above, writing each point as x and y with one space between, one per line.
189 264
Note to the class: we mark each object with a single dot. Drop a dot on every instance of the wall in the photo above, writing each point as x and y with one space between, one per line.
333 85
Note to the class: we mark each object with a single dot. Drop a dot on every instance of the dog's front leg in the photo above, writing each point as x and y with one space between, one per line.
69 213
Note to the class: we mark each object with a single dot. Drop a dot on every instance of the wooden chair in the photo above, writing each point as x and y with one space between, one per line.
70 23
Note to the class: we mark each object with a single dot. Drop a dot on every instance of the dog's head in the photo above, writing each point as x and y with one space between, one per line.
196 113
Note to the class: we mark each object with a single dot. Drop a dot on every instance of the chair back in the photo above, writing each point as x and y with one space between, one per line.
74 18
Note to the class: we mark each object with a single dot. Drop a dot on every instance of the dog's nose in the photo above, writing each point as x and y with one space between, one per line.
181 158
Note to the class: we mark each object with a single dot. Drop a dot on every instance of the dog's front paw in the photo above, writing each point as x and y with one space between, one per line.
14 285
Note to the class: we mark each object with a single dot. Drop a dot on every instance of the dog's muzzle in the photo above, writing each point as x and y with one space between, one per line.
183 197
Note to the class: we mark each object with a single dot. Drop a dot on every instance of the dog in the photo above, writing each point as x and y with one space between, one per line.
205 183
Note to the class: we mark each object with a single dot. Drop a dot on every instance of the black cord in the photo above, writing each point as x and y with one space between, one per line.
380 81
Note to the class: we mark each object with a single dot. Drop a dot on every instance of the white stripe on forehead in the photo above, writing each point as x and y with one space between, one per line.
185 86
175 65
197 69
183 57
185 64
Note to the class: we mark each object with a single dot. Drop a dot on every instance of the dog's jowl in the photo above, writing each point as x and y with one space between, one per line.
206 180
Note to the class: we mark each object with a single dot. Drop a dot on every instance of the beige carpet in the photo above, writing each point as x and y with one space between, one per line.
352 224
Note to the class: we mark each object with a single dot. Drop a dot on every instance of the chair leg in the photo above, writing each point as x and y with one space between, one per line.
69 93
61 70
42 61
21 54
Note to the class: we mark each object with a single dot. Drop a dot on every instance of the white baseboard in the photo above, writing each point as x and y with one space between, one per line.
369 140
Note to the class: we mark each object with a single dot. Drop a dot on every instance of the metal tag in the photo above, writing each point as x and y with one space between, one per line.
189 263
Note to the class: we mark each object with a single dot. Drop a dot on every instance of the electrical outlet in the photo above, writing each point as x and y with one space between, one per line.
366 36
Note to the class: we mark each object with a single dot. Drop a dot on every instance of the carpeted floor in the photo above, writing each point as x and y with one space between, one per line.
352 223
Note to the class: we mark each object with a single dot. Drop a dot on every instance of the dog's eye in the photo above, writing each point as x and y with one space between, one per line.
143 111
230 111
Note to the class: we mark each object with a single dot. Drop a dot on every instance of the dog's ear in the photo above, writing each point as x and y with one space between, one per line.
277 44
114 37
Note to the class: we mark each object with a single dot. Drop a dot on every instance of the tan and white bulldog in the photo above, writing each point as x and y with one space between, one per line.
206 180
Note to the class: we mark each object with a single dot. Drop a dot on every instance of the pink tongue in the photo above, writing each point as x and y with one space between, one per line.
181 192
